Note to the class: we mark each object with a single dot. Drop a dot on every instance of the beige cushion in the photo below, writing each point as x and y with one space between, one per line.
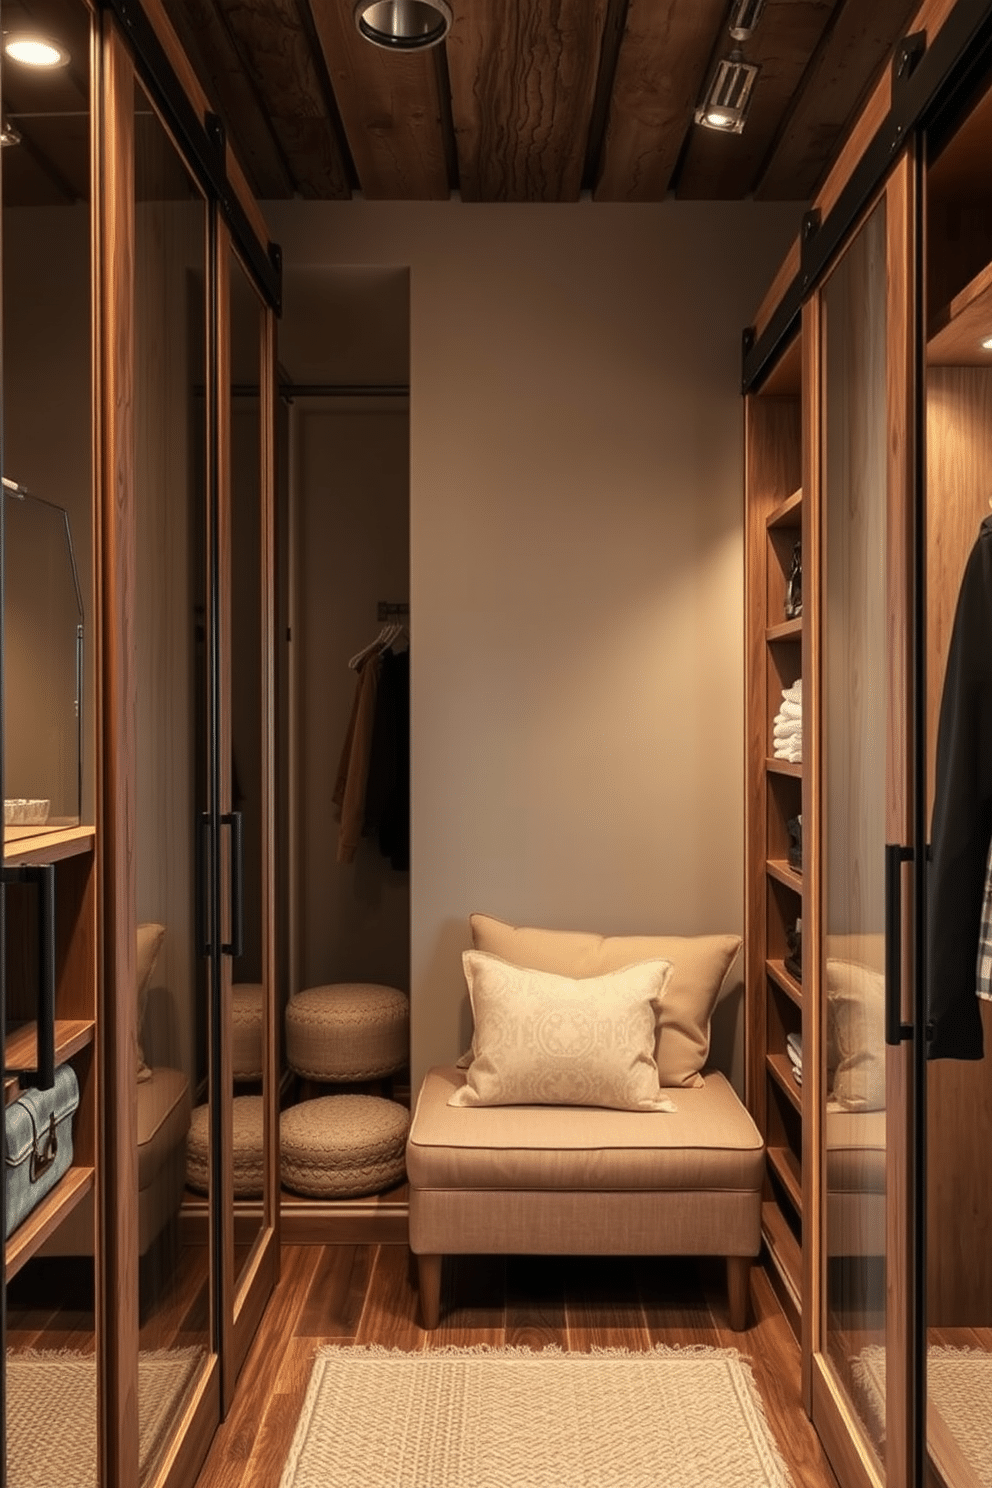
709 1143
163 1116
246 1030
855 1151
856 1034
342 1146
700 965
150 937
554 1040
249 1148
348 1031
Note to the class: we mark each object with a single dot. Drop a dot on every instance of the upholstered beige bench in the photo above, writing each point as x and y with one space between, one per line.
553 1180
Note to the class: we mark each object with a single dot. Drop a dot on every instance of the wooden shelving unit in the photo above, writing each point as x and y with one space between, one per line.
71 849
774 884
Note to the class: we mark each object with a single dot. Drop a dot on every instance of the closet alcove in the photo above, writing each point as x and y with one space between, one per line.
344 359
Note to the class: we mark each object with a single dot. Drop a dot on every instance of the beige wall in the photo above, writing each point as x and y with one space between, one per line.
576 562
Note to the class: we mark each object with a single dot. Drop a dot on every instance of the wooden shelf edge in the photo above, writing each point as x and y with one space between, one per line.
50 847
785 1257
785 981
787 513
783 767
786 630
53 1210
781 869
975 291
779 1066
783 1163
71 1035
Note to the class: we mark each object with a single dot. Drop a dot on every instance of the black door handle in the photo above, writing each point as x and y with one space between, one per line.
895 1029
236 945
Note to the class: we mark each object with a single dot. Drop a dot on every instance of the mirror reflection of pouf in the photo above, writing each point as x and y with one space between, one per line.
348 1031
343 1146
247 1006
249 1166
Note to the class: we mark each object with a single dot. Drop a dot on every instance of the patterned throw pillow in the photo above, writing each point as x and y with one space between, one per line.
543 1039
701 966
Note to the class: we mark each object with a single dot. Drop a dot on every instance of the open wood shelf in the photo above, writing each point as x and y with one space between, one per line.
784 873
786 630
785 1165
788 513
785 981
780 1069
21 1051
783 1247
53 1210
956 331
48 847
784 767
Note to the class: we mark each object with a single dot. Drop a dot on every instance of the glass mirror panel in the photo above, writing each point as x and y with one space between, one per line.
248 778
49 1360
853 817
170 623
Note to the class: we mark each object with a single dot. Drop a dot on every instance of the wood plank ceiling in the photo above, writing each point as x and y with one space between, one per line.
535 100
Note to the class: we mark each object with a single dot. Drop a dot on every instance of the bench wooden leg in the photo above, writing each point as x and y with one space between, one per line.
429 1277
738 1289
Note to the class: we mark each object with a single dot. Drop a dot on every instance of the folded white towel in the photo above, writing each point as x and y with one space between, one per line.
794 694
791 710
791 750
794 1045
797 1074
787 728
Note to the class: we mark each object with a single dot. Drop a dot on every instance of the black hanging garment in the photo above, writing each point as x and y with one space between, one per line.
387 793
962 818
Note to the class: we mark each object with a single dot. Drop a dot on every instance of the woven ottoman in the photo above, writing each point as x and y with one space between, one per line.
249 1162
343 1146
345 1031
246 1030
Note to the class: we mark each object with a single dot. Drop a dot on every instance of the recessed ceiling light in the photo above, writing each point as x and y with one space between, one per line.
35 51
403 25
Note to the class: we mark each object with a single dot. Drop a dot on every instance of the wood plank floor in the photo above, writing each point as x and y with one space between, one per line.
366 1294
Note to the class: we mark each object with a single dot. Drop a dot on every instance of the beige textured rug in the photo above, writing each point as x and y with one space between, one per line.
51 1413
959 1384
451 1418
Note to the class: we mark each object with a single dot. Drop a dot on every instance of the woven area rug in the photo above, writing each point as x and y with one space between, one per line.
492 1418
51 1413
959 1383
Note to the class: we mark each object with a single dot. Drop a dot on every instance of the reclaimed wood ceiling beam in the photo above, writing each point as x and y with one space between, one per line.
220 67
840 75
392 106
281 56
523 83
727 166
663 60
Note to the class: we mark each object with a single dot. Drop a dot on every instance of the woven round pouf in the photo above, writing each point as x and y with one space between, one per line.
348 1031
342 1146
246 1030
248 1148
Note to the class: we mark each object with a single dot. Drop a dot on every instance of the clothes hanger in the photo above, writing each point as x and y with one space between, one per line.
385 638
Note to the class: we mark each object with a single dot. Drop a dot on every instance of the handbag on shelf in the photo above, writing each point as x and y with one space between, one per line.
37 1143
